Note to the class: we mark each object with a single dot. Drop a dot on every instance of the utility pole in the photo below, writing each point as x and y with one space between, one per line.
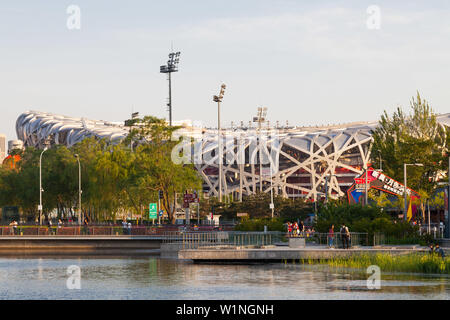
79 189
447 222
40 186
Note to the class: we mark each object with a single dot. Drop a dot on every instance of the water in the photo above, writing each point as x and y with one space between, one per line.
157 278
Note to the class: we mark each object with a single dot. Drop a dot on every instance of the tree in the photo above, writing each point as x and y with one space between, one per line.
155 169
413 138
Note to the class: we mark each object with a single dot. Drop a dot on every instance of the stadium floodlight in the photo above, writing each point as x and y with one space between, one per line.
219 99
172 66
260 118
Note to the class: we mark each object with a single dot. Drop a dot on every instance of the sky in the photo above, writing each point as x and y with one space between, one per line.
308 62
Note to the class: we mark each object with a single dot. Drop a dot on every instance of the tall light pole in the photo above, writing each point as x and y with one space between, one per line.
172 66
40 185
260 118
79 188
219 99
405 210
447 223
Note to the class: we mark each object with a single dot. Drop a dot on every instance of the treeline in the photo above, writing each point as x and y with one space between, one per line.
115 178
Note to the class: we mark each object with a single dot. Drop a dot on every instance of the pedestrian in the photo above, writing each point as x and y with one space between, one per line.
13 229
124 227
129 228
86 226
301 227
431 250
289 228
439 251
49 225
296 230
345 233
331 237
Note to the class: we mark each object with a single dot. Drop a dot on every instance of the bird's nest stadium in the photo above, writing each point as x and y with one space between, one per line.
299 161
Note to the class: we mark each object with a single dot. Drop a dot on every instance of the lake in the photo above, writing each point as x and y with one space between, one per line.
157 278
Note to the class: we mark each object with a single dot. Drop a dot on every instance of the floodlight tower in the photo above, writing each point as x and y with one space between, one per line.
260 118
218 99
172 66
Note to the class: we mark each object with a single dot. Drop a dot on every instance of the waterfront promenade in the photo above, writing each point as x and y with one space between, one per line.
286 254
197 246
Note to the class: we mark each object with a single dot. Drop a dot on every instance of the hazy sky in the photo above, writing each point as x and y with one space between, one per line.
309 62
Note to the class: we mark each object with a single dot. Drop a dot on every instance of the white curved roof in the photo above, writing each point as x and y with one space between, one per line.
33 127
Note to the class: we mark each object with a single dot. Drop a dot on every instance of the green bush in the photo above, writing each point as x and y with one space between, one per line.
367 219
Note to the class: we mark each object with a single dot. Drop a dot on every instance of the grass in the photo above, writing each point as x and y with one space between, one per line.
415 263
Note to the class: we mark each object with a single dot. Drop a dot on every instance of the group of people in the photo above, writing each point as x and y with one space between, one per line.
295 229
14 225
126 227
436 249
345 236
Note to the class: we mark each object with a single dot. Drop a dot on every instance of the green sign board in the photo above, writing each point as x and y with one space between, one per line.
153 211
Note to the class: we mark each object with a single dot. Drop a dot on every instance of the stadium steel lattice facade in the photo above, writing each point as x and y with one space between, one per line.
304 160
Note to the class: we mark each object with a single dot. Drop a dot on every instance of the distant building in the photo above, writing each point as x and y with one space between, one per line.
2 147
14 145
309 162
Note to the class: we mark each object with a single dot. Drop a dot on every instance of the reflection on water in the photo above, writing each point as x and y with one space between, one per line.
156 278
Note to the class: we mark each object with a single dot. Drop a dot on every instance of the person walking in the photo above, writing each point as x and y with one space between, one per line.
296 230
49 225
301 227
289 227
86 226
345 233
331 237
439 251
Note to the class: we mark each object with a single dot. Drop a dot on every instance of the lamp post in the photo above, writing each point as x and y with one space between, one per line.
447 222
172 66
218 99
79 188
405 210
40 186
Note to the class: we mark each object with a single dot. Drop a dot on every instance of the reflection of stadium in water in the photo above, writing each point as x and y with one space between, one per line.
305 156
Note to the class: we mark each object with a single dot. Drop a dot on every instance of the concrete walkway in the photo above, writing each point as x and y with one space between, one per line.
241 254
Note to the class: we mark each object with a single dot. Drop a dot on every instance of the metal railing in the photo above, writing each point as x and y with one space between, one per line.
203 240
395 239
78 230
318 238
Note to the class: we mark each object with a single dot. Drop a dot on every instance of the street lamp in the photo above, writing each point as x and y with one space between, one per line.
172 66
404 193
219 99
40 186
447 221
79 188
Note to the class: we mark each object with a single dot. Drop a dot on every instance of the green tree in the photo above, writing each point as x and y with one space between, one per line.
155 168
413 138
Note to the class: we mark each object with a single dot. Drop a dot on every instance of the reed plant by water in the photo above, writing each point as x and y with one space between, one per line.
415 263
